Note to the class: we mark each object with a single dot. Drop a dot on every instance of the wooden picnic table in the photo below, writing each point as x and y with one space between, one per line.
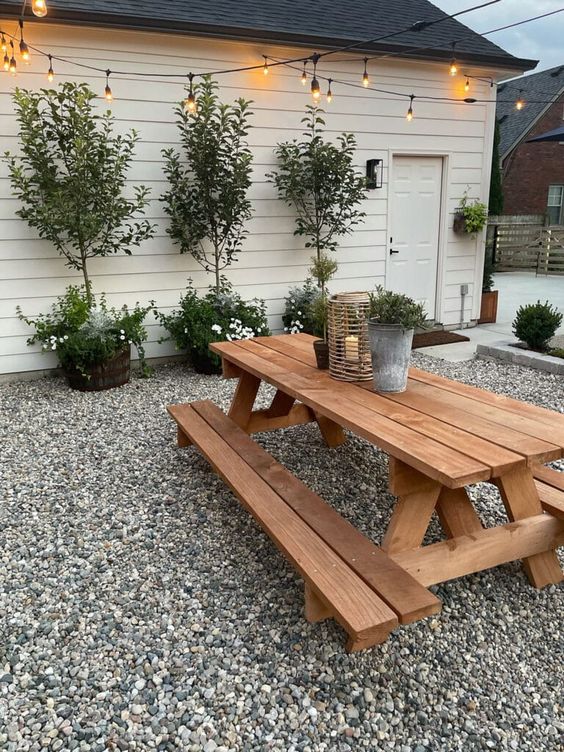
440 436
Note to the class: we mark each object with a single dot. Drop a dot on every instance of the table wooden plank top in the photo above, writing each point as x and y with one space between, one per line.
451 432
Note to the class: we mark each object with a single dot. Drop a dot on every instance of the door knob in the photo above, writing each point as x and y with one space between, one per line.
392 251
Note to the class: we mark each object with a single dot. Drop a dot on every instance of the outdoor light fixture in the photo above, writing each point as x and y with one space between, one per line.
6 62
12 66
24 49
409 116
4 44
50 72
374 173
265 66
467 84
329 92
365 79
39 8
190 101
453 70
519 104
315 90
107 91
304 75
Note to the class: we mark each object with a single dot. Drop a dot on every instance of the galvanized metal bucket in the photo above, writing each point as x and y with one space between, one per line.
390 347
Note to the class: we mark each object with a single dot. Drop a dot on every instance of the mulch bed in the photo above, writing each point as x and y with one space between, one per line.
428 339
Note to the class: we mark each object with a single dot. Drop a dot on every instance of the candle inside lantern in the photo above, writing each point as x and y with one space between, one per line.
351 347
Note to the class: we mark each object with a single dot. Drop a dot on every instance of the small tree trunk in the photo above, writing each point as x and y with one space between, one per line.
217 276
87 283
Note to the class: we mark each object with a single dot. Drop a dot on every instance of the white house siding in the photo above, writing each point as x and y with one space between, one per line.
32 274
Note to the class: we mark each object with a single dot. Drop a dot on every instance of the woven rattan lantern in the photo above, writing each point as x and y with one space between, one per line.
349 347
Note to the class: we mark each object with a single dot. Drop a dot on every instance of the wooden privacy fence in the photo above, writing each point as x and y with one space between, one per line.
524 243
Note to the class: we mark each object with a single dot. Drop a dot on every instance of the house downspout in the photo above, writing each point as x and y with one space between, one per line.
463 294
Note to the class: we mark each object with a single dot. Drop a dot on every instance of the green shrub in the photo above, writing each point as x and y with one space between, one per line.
489 270
387 307
213 318
85 333
557 352
536 324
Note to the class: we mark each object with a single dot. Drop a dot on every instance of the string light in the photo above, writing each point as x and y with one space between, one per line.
24 49
519 104
453 70
39 8
190 101
467 84
409 116
6 62
365 79
265 67
315 90
107 91
304 75
12 67
50 72
4 44
329 92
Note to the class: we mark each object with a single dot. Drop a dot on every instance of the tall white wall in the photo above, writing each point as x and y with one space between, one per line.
32 274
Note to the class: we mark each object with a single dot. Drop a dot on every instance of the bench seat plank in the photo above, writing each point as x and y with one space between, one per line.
552 499
365 616
549 476
409 599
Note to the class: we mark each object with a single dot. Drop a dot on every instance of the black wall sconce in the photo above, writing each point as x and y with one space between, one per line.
374 173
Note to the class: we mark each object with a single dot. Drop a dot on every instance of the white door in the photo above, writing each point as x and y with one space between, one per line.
414 233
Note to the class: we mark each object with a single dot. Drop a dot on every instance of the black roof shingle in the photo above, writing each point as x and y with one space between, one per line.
324 23
537 89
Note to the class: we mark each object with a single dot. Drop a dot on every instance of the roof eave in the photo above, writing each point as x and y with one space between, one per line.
260 35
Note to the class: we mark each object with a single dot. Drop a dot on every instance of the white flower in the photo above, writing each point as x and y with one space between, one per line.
66 336
229 337
130 341
300 313
232 325
285 328
54 346
122 336
61 339
292 300
185 331
259 329
122 331
216 328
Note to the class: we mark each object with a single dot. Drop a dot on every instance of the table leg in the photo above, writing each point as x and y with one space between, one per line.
456 513
417 498
521 500
281 405
332 432
244 399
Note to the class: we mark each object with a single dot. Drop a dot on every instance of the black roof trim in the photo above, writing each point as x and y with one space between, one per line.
81 18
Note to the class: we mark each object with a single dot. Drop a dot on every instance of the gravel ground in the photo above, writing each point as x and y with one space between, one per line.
141 608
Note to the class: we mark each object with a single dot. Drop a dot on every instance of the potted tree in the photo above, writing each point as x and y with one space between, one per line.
318 179
488 307
70 180
393 320
208 206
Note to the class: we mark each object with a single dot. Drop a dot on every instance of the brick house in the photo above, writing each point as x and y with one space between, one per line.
533 174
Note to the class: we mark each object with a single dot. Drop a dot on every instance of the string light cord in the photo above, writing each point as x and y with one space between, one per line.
418 26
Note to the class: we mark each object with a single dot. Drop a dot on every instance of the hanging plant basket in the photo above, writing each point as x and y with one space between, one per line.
112 373
459 224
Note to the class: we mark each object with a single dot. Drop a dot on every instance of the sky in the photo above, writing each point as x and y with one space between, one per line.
541 40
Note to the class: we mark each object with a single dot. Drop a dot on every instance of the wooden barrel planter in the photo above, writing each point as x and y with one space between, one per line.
112 373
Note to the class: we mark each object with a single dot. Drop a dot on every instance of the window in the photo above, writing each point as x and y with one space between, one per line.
554 204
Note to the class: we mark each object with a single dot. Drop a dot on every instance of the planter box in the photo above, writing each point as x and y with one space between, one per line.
488 308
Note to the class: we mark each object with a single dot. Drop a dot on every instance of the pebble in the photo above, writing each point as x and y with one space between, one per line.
142 609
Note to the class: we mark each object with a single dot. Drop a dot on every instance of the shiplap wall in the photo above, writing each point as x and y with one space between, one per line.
32 274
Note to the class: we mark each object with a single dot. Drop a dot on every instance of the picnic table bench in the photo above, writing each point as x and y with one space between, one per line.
440 436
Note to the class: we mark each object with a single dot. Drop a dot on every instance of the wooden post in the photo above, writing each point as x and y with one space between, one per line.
244 399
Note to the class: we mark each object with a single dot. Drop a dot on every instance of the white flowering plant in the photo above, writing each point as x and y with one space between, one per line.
85 335
299 310
210 318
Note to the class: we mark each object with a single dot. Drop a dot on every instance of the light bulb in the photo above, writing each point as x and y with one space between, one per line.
50 72
190 102
519 104
6 62
39 8
315 90
13 67
108 93
4 44
24 51
365 79
467 85
329 92
304 76
265 66
409 116
453 67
